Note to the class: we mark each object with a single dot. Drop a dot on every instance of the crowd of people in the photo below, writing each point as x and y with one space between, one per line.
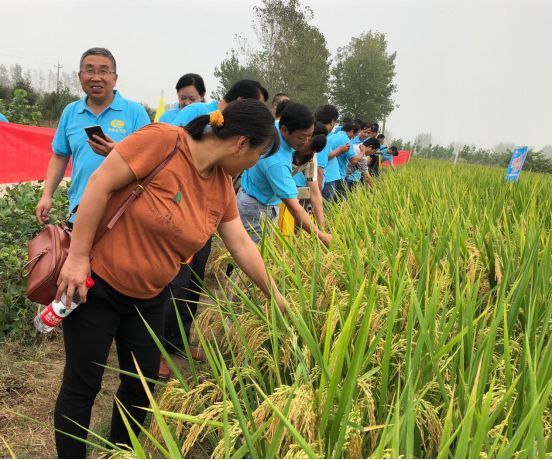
228 165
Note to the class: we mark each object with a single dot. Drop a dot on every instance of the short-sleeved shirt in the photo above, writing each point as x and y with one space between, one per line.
169 115
322 160
333 168
385 155
356 140
174 217
121 118
354 171
304 173
271 179
3 119
192 111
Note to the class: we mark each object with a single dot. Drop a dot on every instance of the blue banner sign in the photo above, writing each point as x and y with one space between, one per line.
516 163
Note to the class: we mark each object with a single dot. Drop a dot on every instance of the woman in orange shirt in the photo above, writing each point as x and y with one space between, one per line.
132 264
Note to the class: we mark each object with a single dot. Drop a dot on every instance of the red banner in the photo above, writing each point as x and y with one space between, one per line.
402 158
25 152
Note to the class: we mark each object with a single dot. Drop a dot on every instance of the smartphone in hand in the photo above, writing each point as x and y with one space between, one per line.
95 130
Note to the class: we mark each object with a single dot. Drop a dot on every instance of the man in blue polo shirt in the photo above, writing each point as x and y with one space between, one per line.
103 106
341 154
270 182
327 115
243 89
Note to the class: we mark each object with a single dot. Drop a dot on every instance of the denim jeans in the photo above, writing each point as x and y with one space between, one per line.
252 213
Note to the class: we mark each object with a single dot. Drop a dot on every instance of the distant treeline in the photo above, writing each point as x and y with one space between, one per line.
537 161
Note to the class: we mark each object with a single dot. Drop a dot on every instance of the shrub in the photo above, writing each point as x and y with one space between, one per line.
19 110
17 226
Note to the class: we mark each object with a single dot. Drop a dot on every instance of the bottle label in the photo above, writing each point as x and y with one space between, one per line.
54 313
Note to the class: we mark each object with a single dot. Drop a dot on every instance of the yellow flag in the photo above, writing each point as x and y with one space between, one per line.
160 108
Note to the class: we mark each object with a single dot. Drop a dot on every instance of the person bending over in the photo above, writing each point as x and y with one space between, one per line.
270 182
132 264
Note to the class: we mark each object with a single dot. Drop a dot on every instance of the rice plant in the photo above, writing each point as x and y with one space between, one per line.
423 332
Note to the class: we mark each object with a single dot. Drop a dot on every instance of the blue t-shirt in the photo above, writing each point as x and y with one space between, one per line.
192 111
121 118
356 140
322 159
3 119
335 169
271 179
385 156
169 115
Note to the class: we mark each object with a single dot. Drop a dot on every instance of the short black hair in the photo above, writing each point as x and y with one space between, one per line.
281 107
393 150
380 136
372 142
191 79
99 52
346 120
350 126
327 114
296 116
246 89
246 117
374 127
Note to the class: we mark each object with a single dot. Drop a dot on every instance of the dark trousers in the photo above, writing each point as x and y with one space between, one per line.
334 190
88 334
185 289
329 190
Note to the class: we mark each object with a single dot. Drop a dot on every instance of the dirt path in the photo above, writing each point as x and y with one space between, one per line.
29 381
30 377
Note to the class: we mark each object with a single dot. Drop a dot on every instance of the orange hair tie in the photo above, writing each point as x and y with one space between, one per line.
216 119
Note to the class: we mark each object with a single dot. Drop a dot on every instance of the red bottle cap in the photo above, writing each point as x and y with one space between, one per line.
89 283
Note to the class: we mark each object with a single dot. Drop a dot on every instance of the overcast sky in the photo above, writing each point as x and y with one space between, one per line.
473 71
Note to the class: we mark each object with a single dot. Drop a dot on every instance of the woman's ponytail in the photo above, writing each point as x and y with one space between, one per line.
197 126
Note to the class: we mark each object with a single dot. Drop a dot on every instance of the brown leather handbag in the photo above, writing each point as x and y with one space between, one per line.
49 249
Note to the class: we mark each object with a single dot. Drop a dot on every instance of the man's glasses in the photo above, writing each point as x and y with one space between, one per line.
100 73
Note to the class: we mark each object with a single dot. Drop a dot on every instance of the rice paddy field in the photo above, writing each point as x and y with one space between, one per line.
423 332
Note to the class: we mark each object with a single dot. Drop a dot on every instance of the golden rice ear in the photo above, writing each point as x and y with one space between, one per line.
440 303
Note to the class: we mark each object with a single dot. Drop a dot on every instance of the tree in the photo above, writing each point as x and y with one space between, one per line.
538 162
150 111
230 71
503 147
423 140
362 78
547 150
51 104
291 56
4 76
19 110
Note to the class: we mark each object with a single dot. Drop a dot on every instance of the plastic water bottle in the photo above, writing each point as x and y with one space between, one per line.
54 313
